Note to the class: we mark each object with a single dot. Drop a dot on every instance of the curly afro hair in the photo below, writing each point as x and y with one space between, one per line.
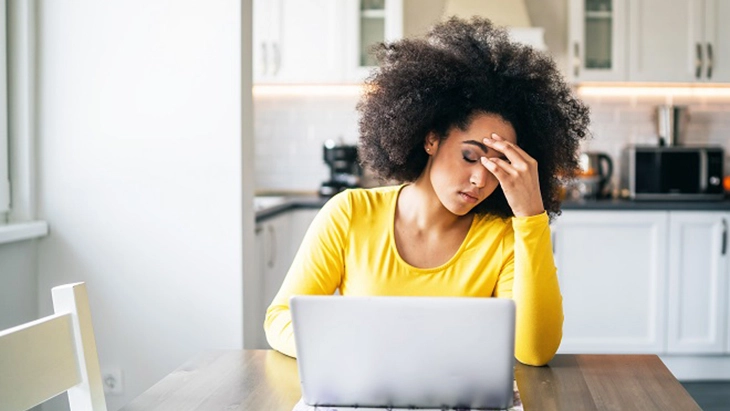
461 69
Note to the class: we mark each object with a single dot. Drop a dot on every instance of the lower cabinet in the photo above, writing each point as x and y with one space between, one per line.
277 240
698 283
644 281
611 268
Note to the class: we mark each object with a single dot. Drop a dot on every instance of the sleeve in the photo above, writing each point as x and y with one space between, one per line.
529 277
317 269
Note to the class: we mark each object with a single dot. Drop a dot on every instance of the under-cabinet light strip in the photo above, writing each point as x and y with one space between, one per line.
655 91
308 90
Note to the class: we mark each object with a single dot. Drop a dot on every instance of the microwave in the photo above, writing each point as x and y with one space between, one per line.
672 173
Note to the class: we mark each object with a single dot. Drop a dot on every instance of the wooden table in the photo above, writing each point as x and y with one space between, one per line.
267 380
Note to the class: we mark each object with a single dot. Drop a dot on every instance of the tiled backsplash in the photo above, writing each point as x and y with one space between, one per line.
290 131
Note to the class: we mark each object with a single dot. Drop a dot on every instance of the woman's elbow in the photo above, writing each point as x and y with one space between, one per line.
540 353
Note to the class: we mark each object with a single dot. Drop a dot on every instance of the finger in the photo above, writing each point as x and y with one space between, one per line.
513 156
498 169
514 146
504 165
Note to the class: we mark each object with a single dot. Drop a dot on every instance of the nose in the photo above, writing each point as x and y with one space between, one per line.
479 177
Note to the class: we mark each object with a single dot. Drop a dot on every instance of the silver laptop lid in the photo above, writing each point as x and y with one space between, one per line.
424 352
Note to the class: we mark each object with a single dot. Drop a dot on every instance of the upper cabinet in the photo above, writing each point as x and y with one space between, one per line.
597 40
369 22
666 40
717 40
297 41
320 41
650 40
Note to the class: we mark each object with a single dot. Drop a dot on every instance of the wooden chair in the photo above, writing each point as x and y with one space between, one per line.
44 358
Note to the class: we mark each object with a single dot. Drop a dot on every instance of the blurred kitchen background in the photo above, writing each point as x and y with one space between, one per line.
622 60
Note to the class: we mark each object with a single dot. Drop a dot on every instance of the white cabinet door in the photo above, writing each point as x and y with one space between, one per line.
298 41
311 41
597 48
698 273
277 254
666 40
266 40
717 41
611 268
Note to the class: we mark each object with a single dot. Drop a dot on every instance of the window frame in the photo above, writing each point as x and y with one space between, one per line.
4 140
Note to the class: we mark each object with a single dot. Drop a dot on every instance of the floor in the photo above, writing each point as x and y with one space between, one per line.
711 395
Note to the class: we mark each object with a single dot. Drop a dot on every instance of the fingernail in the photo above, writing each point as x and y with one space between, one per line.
495 135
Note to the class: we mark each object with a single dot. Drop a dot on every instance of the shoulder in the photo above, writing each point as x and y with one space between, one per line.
372 196
359 200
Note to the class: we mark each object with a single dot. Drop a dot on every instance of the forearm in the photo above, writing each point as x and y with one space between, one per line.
536 293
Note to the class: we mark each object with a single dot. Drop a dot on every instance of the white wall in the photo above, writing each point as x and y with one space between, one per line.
139 132
18 283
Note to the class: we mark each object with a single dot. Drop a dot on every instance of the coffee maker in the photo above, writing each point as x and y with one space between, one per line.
345 171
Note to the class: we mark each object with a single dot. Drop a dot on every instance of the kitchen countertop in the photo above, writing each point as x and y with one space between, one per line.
270 206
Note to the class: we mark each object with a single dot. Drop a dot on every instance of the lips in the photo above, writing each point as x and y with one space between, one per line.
469 196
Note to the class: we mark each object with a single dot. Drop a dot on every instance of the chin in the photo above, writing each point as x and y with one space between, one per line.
459 209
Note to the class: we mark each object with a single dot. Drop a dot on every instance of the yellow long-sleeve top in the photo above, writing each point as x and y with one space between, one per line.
350 245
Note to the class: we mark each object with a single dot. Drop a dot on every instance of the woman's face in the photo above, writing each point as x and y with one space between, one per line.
458 178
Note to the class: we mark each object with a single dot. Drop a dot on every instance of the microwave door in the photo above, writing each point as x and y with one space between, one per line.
681 172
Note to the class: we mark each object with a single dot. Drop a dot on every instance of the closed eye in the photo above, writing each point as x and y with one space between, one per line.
470 156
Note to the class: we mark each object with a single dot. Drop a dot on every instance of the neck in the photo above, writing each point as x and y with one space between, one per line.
420 207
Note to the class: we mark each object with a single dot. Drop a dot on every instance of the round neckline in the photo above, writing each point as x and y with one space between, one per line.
394 246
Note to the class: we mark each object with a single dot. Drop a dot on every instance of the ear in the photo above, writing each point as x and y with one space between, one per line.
431 143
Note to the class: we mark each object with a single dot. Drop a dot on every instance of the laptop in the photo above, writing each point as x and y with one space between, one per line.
405 352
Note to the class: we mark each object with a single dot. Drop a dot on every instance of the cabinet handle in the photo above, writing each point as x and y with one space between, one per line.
277 58
709 60
576 59
698 61
272 247
264 58
724 237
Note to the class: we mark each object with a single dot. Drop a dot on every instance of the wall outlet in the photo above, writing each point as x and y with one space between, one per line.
112 380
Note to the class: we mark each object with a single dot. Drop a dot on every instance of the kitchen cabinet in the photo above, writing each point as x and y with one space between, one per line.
271 266
717 40
611 269
277 241
698 283
297 41
597 47
669 48
368 23
619 40
685 45
690 43
276 256
320 41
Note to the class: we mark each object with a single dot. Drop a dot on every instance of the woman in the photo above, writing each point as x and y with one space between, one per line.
478 129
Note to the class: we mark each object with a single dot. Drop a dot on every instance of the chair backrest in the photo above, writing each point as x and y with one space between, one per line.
44 358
